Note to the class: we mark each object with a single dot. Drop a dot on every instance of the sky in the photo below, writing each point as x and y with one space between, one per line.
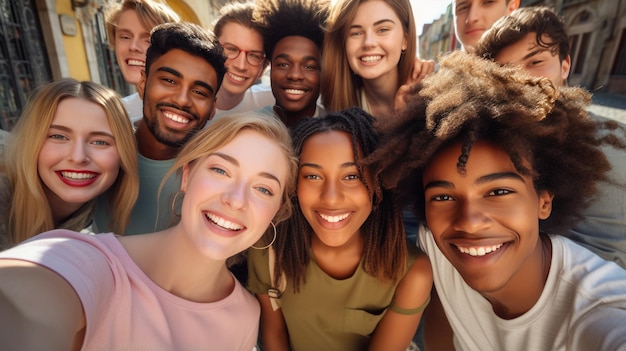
426 11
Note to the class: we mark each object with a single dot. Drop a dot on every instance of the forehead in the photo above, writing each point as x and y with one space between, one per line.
188 65
328 145
373 11
483 158
296 46
243 37
522 48
129 20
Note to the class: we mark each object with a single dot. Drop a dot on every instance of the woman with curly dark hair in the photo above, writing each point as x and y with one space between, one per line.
493 159
344 277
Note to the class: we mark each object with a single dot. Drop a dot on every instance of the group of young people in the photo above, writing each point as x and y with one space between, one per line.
493 154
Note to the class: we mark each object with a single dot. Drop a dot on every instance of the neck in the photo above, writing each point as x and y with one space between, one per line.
60 209
524 289
226 101
380 94
173 264
149 147
291 118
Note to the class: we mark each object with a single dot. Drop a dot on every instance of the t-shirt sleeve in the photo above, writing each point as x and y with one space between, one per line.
77 259
258 271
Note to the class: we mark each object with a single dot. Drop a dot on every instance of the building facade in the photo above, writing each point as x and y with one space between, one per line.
45 40
597 32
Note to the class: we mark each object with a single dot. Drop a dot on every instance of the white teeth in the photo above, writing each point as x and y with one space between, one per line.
480 250
237 78
371 58
334 219
222 222
176 118
136 63
295 91
77 176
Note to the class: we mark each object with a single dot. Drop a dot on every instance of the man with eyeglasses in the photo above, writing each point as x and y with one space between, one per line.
241 38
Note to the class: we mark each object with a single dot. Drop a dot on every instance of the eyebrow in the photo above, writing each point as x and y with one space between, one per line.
179 75
377 23
305 58
316 166
69 130
234 161
482 180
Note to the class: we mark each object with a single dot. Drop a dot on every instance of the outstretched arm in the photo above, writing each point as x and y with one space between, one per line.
274 334
395 330
40 310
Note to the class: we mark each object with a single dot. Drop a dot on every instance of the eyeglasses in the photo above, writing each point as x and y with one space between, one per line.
254 58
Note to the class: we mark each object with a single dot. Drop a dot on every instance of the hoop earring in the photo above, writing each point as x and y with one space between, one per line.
402 52
179 192
270 244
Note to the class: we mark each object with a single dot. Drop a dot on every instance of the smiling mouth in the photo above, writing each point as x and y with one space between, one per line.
477 251
236 77
334 219
175 117
295 91
78 176
223 223
372 58
136 63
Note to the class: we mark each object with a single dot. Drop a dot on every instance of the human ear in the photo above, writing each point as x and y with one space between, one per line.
185 180
545 204
565 67
141 85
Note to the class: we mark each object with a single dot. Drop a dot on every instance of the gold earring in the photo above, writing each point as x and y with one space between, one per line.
270 244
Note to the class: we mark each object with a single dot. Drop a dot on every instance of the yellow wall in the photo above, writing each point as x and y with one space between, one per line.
74 46
184 11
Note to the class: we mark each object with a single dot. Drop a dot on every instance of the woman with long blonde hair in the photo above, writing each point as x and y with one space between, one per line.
72 143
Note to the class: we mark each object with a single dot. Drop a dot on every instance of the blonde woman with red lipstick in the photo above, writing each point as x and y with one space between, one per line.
72 143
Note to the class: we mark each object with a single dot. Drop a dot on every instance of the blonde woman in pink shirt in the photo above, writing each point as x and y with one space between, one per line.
169 290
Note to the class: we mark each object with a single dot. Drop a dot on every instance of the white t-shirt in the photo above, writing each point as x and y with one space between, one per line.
582 306
255 97
134 107
125 310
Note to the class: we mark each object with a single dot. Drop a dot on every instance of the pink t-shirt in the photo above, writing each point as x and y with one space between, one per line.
125 310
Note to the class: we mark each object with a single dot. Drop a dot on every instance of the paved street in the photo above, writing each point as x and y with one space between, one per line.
610 106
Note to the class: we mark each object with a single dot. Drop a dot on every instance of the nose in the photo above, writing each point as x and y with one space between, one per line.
79 153
240 61
181 96
331 193
472 15
470 218
369 39
295 72
135 44
234 196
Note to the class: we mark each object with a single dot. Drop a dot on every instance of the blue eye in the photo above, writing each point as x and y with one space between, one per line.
264 191
218 170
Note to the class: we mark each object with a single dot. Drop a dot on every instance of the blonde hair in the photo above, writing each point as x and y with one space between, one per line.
221 131
22 153
340 87
150 12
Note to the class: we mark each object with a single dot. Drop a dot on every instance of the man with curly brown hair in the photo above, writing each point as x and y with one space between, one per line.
494 160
